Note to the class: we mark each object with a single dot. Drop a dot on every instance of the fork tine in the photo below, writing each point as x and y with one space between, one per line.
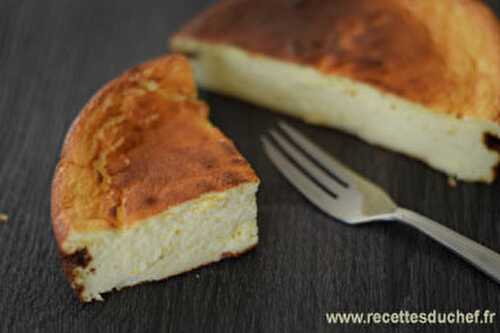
306 186
368 198
305 162
328 162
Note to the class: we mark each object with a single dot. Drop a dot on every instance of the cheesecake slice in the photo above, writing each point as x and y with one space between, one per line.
146 187
418 77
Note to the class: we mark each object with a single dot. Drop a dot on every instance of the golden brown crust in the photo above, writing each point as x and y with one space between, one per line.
79 259
141 145
443 54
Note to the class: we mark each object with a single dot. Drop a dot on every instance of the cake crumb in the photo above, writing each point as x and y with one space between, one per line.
452 182
3 218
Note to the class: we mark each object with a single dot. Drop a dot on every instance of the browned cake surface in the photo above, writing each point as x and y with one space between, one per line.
444 54
141 145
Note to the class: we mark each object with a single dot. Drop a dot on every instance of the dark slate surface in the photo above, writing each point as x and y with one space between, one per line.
53 57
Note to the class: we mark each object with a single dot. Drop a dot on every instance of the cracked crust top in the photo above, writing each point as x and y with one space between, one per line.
443 54
142 144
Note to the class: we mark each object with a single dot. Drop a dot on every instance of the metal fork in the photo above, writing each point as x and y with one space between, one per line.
344 195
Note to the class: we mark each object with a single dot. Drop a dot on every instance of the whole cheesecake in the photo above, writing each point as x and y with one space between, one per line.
418 77
146 187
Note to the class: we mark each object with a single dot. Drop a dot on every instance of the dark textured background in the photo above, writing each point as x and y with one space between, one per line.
53 57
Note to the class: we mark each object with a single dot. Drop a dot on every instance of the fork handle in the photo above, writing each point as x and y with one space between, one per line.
476 254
